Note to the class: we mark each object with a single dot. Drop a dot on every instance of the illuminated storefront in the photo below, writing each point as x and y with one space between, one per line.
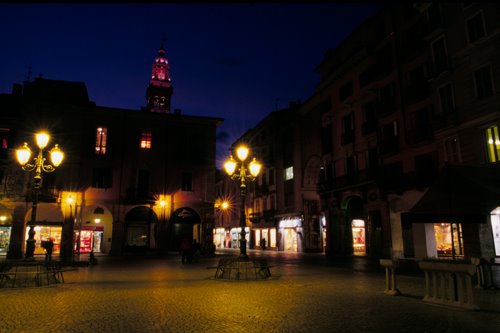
495 228
222 238
448 237
43 233
323 230
291 229
358 237
4 239
235 236
91 240
269 234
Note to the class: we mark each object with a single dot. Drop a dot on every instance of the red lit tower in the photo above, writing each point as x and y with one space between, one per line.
159 91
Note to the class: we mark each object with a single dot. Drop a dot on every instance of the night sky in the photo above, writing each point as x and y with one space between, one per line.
234 61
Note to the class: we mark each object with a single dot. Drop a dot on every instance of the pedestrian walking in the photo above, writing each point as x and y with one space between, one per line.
195 250
185 250
263 243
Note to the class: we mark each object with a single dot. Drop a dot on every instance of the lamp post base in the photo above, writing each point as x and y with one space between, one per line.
242 268
30 248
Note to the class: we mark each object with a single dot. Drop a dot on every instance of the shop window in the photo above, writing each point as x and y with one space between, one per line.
146 140
359 237
101 140
495 228
288 174
475 27
483 82
449 242
493 144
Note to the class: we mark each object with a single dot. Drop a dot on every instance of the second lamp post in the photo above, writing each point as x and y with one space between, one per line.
239 170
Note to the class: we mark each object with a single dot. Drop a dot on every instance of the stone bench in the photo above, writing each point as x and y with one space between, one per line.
449 283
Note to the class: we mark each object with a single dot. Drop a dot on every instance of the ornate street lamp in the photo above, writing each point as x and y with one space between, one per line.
39 166
242 172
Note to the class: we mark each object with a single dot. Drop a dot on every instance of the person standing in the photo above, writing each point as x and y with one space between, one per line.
185 250
49 247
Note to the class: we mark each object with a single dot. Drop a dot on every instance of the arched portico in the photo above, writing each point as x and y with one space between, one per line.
140 229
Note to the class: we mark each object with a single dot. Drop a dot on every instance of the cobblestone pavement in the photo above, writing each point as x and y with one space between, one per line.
303 295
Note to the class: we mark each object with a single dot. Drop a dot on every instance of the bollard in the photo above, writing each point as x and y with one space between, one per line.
390 276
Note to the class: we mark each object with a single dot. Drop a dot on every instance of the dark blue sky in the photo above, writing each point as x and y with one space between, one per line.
234 61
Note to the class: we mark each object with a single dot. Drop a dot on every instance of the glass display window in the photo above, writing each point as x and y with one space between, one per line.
43 233
4 239
358 237
448 237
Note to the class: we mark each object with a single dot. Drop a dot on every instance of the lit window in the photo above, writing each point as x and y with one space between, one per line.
289 173
4 134
100 140
493 144
146 140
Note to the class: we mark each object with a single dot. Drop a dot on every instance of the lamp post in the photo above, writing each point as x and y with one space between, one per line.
241 171
39 166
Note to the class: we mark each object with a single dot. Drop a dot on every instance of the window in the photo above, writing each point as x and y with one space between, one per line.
4 142
101 178
345 91
288 173
143 183
386 99
435 16
146 140
493 144
187 181
446 101
452 150
369 117
475 28
483 82
101 140
326 139
439 56
271 176
347 129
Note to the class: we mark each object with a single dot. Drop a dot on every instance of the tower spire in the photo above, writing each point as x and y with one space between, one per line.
159 91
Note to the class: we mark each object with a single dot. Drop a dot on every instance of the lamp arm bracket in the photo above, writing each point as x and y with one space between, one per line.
28 167
48 168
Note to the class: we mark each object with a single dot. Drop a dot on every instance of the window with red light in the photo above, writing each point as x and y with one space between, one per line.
146 140
100 140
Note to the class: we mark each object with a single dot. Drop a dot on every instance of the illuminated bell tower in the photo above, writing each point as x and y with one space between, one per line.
159 91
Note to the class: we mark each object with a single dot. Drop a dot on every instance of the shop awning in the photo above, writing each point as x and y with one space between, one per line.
461 194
